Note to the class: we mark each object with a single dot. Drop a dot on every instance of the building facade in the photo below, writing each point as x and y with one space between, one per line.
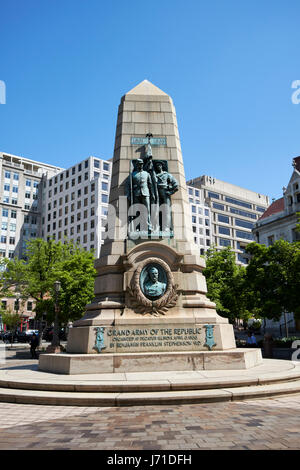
233 213
20 201
75 204
280 219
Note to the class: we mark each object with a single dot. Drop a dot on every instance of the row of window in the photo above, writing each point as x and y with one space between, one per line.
12 227
3 253
236 202
233 210
12 240
238 233
194 211
5 213
241 223
104 187
7 174
28 307
194 191
6 200
71 221
85 238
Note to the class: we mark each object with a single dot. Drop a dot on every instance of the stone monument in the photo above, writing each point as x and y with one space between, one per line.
150 310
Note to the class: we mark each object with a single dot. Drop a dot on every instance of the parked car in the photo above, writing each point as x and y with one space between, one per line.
48 334
10 337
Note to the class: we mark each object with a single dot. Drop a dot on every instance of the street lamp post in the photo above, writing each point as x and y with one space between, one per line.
17 306
54 347
55 339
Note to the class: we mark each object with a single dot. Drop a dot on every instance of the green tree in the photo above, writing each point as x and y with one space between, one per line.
12 321
273 276
49 261
226 284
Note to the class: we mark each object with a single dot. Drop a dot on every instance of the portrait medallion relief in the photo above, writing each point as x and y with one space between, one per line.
152 289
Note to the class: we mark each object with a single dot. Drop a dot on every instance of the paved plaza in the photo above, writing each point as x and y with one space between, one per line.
257 424
272 423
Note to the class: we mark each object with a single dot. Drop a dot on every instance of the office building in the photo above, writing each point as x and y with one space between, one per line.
234 210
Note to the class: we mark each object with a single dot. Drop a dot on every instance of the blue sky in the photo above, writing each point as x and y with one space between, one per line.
228 65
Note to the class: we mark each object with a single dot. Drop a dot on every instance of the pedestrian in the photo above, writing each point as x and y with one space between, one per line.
249 339
253 339
34 342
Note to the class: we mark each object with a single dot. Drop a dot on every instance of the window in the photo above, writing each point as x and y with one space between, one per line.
92 224
86 164
194 219
193 208
3 239
86 176
73 182
104 186
16 176
243 223
92 211
104 210
92 237
243 213
224 230
86 190
206 212
27 195
13 214
96 164
73 170
105 166
207 222
79 179
218 206
213 195
7 174
224 242
207 232
238 203
4 304
246 235
260 209
271 240
78 228
28 183
4 212
93 198
6 199
12 227
4 226
6 187
15 189
12 240
194 228
223 218
79 167
67 185
2 253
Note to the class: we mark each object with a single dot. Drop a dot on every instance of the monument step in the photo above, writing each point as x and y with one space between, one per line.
29 385
147 398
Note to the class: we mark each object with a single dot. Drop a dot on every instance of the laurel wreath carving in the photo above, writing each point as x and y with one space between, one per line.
141 303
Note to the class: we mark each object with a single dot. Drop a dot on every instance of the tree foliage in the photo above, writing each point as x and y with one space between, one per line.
49 261
273 275
226 284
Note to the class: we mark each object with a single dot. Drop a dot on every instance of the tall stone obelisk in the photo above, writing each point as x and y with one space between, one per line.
150 306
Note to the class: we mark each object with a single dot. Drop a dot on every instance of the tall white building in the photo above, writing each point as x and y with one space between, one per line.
234 210
75 203
20 201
